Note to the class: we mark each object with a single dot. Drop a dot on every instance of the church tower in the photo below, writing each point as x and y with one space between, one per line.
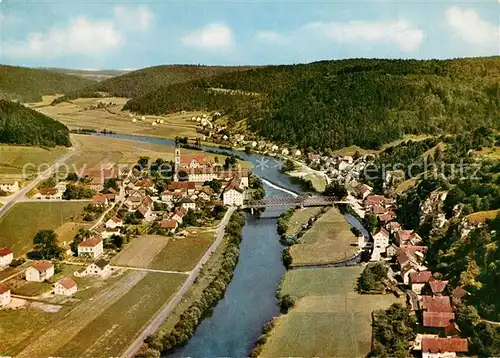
177 161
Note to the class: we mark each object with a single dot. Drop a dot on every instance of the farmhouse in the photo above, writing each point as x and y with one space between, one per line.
169 225
6 257
65 287
100 200
91 247
9 185
179 214
40 271
114 223
100 268
4 295
435 347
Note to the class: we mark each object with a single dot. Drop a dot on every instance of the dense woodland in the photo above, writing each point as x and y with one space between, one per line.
334 104
29 84
468 256
24 126
140 82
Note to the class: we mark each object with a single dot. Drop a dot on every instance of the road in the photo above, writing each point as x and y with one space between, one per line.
20 195
157 321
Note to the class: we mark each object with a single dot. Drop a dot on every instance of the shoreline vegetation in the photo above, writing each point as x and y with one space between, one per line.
162 342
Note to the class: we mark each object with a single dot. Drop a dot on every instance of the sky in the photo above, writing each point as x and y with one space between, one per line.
132 34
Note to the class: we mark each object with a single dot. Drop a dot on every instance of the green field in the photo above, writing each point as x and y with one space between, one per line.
102 318
20 224
13 158
110 333
299 218
182 254
329 240
329 320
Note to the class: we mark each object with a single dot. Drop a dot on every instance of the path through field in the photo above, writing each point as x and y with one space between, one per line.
79 317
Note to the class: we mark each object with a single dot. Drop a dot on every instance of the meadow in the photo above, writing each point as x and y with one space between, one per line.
329 240
20 224
299 218
76 114
13 159
330 319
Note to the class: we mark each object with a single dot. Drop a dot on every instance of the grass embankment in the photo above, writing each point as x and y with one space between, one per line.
202 297
330 319
329 240
299 218
20 224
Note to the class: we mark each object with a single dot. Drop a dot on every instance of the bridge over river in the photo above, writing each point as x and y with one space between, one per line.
297 201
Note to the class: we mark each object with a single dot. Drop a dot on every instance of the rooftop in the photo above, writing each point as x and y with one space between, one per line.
67 282
91 242
441 345
42 266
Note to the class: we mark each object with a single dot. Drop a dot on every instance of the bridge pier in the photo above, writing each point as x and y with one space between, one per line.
251 211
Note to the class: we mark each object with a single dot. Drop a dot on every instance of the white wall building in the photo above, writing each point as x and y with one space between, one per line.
40 271
9 185
65 287
91 248
4 295
6 257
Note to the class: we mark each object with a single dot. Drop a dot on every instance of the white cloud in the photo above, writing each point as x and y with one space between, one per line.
467 24
139 18
399 32
82 36
213 37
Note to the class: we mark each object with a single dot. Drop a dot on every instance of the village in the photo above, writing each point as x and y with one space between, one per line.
200 192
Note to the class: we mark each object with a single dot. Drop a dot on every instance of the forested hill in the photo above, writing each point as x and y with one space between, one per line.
29 84
140 82
24 126
334 104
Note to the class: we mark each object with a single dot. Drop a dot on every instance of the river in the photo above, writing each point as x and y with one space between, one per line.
249 302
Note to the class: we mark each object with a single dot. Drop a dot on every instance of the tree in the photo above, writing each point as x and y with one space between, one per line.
214 184
143 162
336 190
370 222
81 235
46 245
230 162
288 166
286 303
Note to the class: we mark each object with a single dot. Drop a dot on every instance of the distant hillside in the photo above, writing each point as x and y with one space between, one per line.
140 82
29 84
24 126
335 104
94 75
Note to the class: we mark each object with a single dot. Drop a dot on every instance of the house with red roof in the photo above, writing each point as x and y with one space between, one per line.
4 295
40 271
6 257
407 237
438 286
436 347
65 287
99 200
114 222
419 279
169 224
194 161
91 248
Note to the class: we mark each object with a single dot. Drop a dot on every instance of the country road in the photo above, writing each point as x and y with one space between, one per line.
20 195
157 321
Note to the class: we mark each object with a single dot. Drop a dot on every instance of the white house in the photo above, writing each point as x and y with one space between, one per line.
65 287
297 153
9 185
91 248
114 223
98 268
187 203
381 239
4 295
6 257
40 271
233 195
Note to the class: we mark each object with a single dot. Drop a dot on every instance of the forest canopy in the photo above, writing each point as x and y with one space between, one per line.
335 104
24 126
